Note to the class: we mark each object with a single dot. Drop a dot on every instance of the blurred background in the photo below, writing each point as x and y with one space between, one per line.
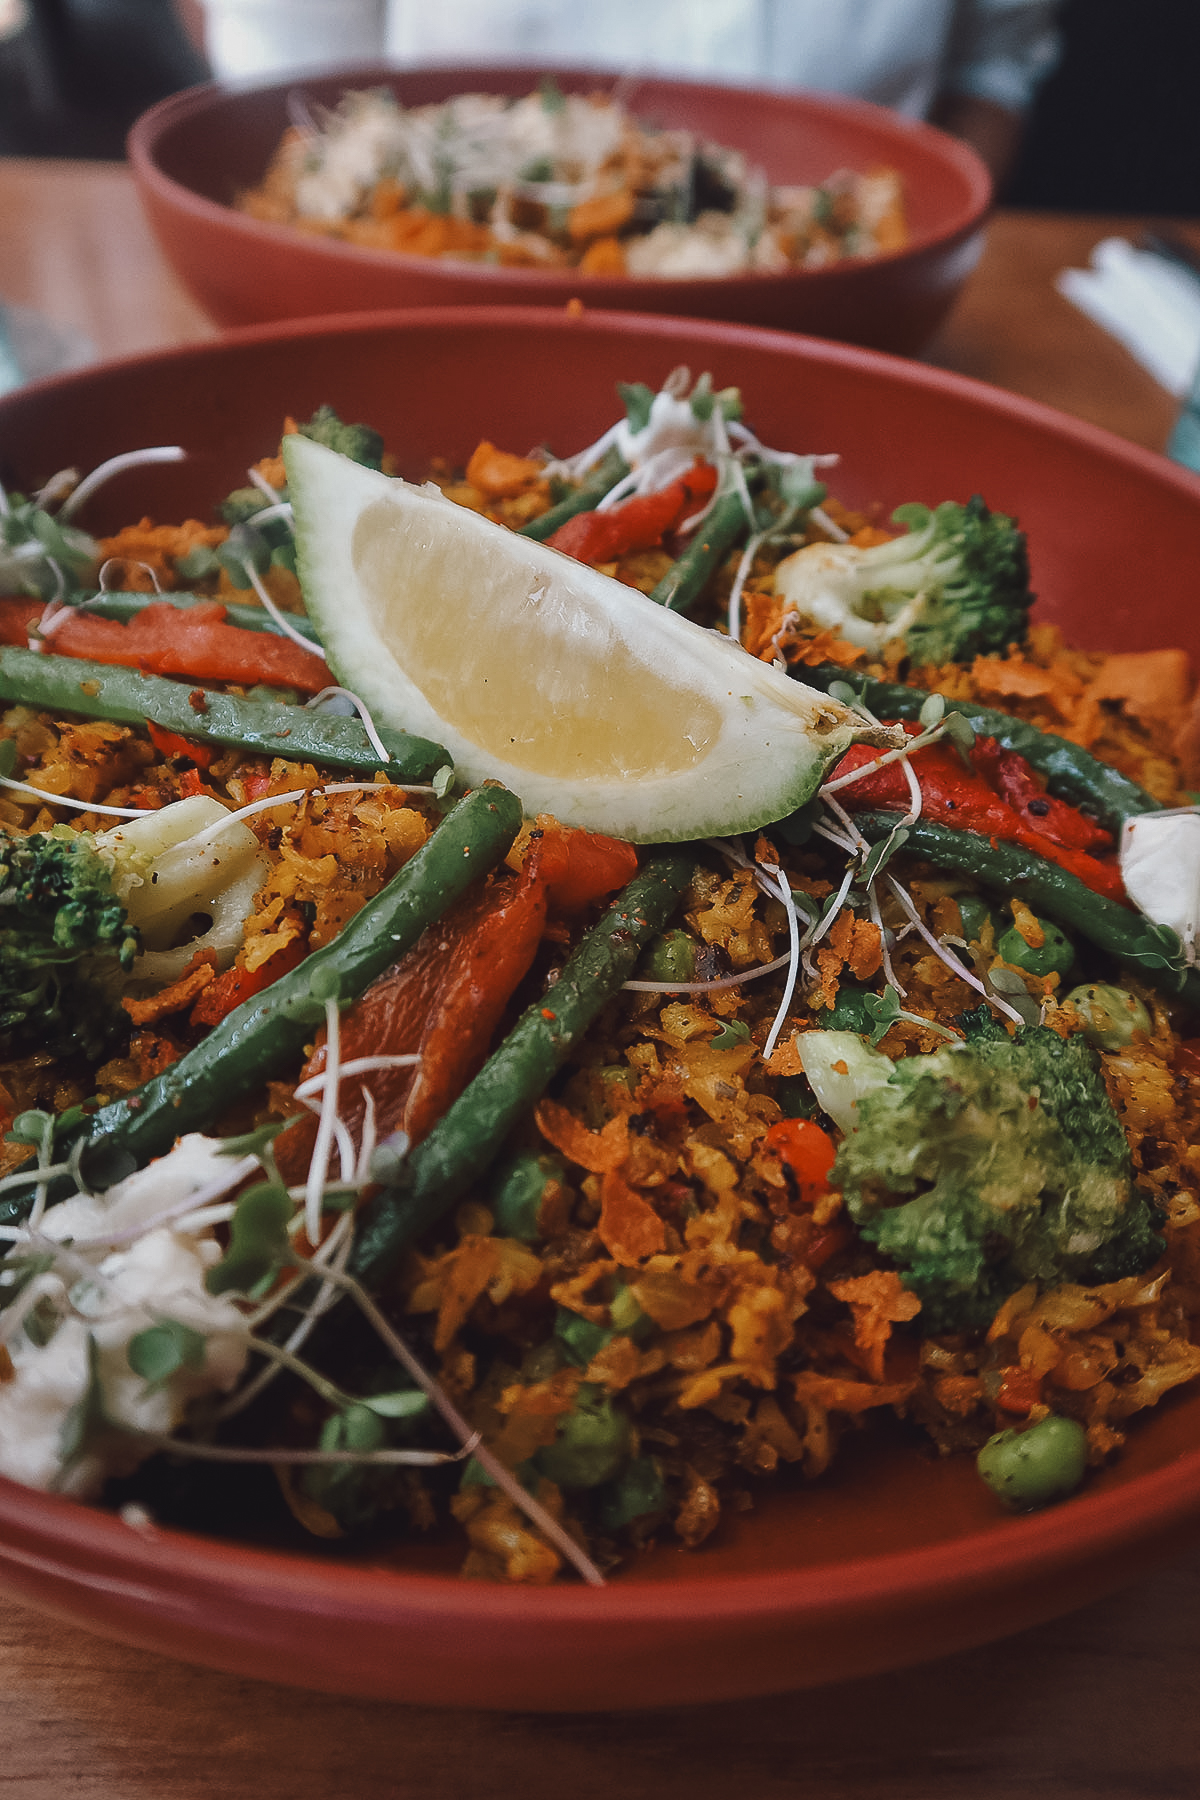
1114 128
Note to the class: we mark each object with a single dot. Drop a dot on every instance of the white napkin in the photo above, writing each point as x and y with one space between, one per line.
1149 304
32 346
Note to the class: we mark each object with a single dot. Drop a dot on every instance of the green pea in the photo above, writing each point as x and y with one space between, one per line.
1114 1015
637 1490
626 1315
580 1338
1031 1468
592 1443
671 957
975 914
517 1194
1054 957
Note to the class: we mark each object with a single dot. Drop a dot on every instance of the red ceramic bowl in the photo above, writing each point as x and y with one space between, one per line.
895 1556
192 154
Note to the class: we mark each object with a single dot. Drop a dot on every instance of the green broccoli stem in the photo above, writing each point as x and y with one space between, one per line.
266 1035
262 727
463 1144
585 498
1048 890
687 578
1072 774
124 607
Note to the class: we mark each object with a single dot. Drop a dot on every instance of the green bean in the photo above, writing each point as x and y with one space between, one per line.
1072 774
582 499
266 1035
686 579
1009 870
463 1144
265 727
124 607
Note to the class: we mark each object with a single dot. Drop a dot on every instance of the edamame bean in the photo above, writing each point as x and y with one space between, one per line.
1031 1468
1114 1015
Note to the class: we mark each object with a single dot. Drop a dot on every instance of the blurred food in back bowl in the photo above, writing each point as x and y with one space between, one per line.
558 181
196 153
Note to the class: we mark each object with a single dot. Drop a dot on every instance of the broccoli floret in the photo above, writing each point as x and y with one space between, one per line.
954 587
64 935
358 442
991 1163
39 554
258 541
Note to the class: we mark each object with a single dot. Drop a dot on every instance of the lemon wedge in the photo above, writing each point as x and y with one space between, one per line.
587 699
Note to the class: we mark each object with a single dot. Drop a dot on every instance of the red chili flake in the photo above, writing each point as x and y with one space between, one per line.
547 1014
198 700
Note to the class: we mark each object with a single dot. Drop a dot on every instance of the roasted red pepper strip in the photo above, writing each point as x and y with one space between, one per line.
953 795
17 618
442 1001
640 523
1017 781
581 866
171 744
446 998
192 641
235 985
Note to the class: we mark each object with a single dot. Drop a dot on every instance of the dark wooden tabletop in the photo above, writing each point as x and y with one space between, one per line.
1097 1706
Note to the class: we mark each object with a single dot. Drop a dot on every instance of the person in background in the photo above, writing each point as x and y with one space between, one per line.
970 66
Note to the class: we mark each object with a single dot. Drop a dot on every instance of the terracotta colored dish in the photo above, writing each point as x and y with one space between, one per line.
194 152
895 1556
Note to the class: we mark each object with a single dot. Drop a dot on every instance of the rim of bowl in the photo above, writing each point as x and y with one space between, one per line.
147 132
41 1529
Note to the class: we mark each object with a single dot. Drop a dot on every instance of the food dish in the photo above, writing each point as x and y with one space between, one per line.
560 181
192 154
961 1552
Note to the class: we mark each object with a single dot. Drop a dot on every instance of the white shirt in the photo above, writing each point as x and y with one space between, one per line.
900 53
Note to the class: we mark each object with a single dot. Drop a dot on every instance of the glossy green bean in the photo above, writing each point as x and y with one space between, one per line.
686 579
266 1035
262 727
1008 870
464 1143
582 499
124 607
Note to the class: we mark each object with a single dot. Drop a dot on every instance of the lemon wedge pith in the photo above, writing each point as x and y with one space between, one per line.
586 698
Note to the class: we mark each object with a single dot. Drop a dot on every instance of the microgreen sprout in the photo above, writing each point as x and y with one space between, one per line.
885 1009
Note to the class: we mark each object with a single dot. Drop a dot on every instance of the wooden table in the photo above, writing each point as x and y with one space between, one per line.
1102 1704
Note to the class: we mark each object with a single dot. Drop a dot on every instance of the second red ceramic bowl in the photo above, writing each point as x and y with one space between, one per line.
193 153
